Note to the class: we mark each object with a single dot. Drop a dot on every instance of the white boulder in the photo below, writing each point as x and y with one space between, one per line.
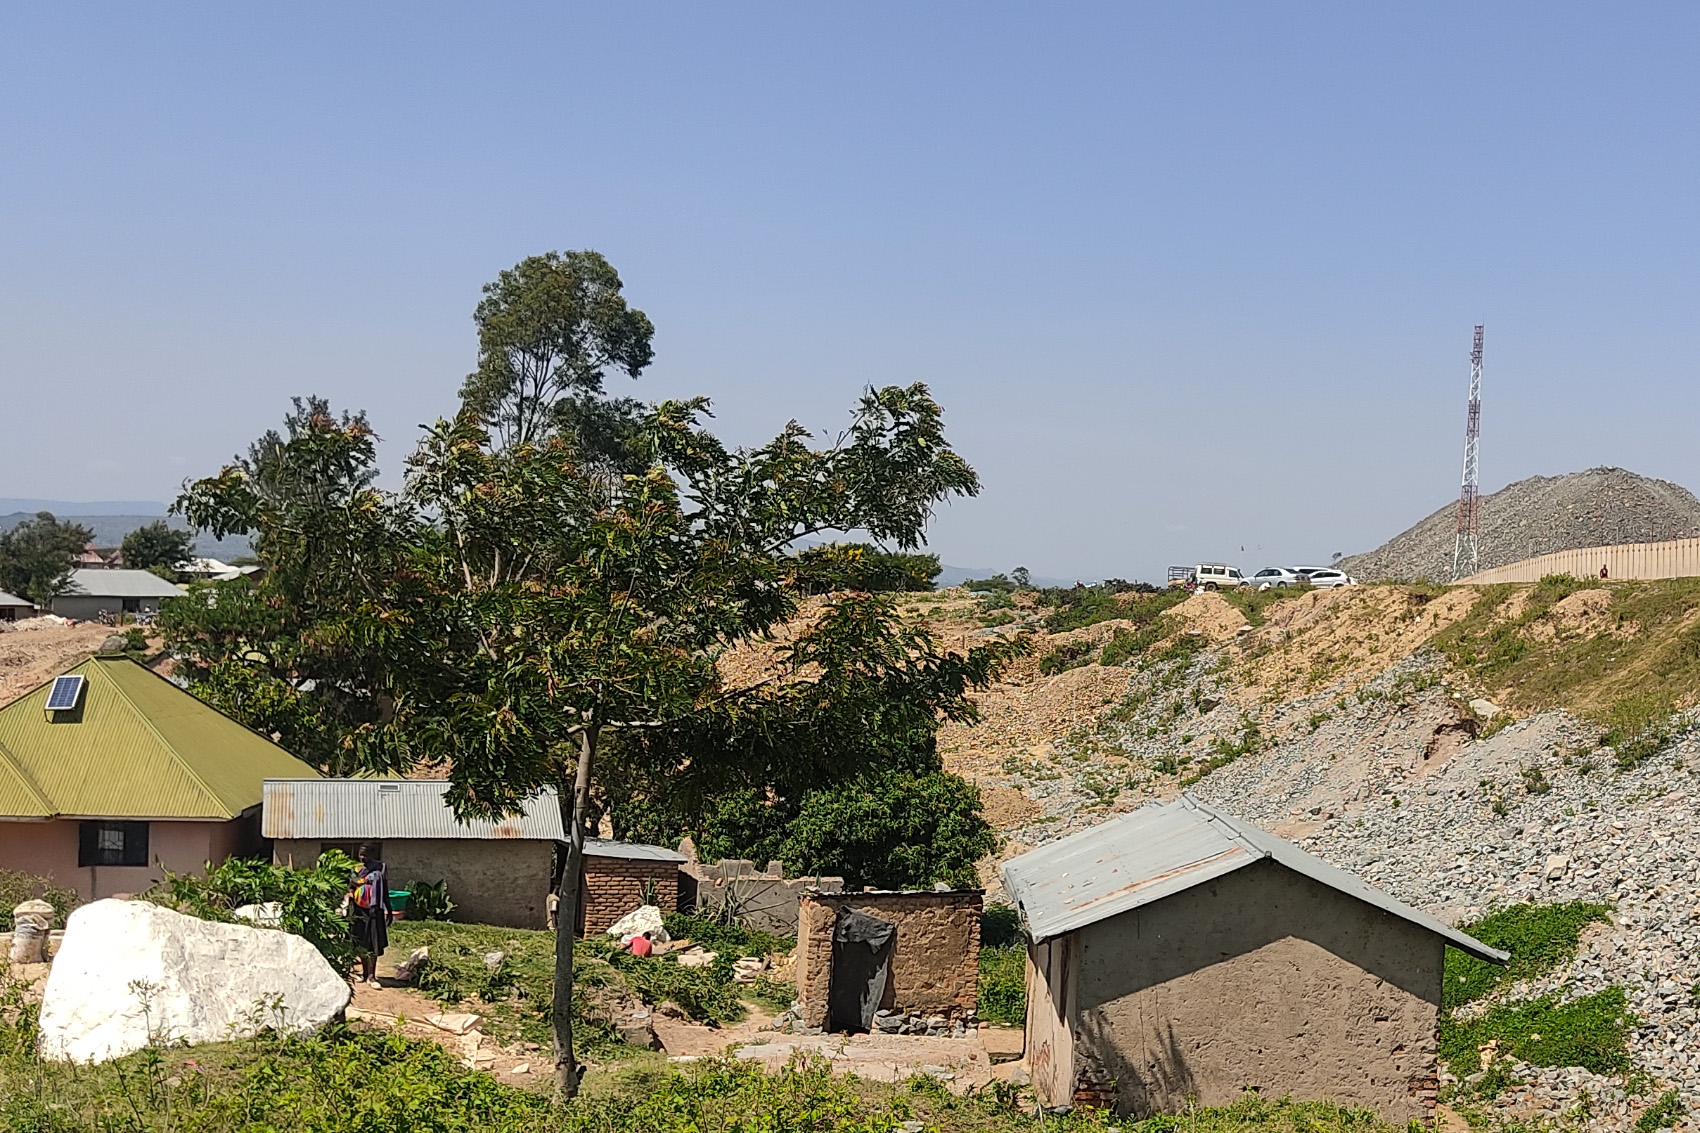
131 973
644 918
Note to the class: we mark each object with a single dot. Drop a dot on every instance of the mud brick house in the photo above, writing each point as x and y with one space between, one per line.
110 774
911 951
1177 953
620 876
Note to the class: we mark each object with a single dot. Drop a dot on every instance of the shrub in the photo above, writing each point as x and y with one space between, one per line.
1067 656
16 888
1000 926
1539 938
719 937
1638 727
1591 1032
1003 985
861 566
310 899
428 901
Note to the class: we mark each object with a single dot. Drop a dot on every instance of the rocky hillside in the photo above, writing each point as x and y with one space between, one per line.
1533 517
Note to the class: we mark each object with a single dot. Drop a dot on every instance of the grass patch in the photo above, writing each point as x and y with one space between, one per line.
1591 1032
1662 1114
1539 938
1224 752
1003 986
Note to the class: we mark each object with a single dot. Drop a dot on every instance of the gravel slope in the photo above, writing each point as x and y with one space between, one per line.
1532 517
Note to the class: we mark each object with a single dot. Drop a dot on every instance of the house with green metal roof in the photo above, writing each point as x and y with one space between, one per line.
110 773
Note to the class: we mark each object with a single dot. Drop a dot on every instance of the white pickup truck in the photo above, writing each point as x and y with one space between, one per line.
1206 576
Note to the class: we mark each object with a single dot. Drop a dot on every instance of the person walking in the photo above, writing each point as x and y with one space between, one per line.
369 912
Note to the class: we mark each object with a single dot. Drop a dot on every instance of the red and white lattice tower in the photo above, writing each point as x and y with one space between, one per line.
1464 551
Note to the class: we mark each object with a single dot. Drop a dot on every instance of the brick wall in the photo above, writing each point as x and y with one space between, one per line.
935 965
614 887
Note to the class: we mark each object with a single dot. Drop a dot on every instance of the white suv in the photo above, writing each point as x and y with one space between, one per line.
1216 576
1328 579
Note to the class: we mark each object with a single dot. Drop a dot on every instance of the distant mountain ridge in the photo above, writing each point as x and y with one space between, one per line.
109 529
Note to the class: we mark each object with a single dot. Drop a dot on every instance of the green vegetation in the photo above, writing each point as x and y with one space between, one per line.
1662 1114
1003 986
1590 1032
862 566
429 901
38 555
1000 926
1080 606
1253 603
157 547
1539 938
1224 751
309 898
16 888
1627 670
1069 655
733 939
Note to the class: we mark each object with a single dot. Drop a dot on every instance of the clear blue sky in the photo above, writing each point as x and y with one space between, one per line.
1186 277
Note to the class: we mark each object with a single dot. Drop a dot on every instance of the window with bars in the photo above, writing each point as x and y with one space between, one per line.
112 843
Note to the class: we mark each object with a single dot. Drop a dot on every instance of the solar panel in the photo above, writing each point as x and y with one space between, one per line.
64 694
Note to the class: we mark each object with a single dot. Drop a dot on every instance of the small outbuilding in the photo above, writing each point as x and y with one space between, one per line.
620 876
92 592
498 873
868 954
1177 953
14 608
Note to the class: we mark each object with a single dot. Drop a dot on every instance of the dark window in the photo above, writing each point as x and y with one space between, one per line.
132 605
112 843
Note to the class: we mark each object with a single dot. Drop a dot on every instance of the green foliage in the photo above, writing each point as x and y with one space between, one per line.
429 901
1637 728
310 899
157 544
1183 647
997 584
1591 1032
892 830
1539 938
734 940
517 997
16 888
1664 1113
861 566
1224 751
1000 926
1254 603
1069 655
38 555
1003 986
773 995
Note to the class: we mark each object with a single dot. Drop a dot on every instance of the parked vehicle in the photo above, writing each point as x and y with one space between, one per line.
1181 576
1217 576
1275 576
1328 578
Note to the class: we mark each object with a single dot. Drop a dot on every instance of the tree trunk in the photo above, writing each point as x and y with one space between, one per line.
573 811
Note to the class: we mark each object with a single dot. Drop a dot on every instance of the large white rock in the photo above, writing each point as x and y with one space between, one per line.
131 972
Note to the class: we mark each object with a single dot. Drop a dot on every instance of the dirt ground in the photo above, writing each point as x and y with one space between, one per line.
33 651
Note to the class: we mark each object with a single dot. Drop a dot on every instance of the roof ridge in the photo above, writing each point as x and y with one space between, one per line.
12 763
1232 827
170 747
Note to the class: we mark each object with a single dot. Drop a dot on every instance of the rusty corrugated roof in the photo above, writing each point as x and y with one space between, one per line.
137 746
1158 851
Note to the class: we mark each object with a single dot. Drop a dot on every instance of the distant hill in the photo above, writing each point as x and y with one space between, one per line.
1536 516
109 530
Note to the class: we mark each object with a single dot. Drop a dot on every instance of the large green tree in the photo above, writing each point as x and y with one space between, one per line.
537 612
38 555
157 544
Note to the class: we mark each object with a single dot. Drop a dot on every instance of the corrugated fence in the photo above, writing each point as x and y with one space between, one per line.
1679 558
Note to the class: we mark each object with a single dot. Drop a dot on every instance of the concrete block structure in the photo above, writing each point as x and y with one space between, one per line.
764 900
934 961
1177 954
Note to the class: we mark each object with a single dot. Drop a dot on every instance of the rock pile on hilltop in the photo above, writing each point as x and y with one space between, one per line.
1596 508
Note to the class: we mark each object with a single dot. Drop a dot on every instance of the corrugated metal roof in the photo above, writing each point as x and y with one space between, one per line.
629 851
1155 852
137 747
96 583
352 809
13 600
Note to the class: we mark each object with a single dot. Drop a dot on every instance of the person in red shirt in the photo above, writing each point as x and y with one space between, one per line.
641 945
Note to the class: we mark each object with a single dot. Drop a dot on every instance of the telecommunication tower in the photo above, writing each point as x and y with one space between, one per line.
1464 550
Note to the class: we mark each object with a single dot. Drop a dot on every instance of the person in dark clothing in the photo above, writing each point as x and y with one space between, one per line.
369 912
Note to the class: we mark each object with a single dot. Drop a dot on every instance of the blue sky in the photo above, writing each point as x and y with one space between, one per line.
1186 278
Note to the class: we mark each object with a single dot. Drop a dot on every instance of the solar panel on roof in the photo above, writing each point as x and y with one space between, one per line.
64 695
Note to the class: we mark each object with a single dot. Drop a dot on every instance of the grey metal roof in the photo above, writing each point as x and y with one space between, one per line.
13 600
353 809
629 851
95 583
1155 852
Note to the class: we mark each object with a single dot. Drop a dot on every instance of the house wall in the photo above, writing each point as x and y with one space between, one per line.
49 849
614 887
763 900
1261 978
495 881
935 965
88 607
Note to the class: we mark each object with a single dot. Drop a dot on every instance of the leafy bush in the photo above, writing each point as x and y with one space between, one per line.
730 938
895 831
1000 926
1638 727
861 566
16 888
1539 938
428 901
310 899
1003 985
1066 656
